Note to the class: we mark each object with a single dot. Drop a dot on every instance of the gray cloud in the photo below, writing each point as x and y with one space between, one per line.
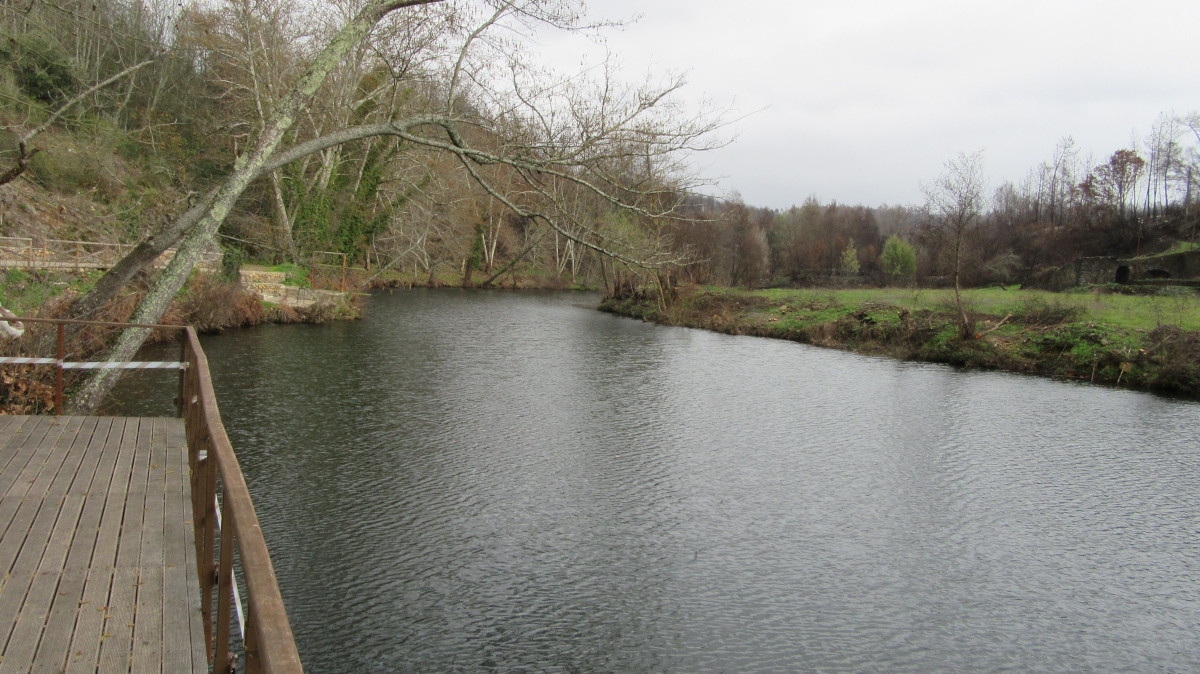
858 101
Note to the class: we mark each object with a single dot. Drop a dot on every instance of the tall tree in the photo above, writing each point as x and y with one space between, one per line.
955 202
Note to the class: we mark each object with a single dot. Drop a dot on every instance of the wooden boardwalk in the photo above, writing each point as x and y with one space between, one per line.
96 547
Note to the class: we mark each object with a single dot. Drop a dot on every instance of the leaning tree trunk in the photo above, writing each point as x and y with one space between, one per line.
246 168
145 253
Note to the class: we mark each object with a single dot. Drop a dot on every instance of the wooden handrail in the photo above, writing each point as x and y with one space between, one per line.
68 254
269 644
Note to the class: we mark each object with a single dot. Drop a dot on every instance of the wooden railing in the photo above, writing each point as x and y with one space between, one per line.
26 253
269 644
60 254
223 518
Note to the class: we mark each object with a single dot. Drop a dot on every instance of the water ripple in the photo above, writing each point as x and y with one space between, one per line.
487 481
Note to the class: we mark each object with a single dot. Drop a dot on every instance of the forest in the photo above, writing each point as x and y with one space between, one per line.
1138 201
431 143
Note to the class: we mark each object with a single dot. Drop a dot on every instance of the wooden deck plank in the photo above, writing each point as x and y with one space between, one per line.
35 611
99 548
91 482
148 623
68 602
132 523
115 648
76 455
176 656
89 624
148 627
55 645
196 646
116 654
62 511
15 480
95 471
14 426
153 540
26 540
10 427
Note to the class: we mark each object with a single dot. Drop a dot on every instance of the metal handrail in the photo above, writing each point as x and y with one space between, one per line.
60 363
267 637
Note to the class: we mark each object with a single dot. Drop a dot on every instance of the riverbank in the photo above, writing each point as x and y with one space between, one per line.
206 302
1037 333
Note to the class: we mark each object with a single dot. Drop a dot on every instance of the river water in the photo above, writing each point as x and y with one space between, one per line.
489 481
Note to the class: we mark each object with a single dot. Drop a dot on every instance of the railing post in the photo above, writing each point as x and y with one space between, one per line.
208 574
181 401
222 662
253 662
60 354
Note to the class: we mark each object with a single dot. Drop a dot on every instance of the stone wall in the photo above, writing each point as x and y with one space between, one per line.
1174 266
1101 270
269 286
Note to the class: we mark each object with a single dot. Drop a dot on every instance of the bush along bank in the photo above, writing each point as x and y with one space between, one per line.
1036 338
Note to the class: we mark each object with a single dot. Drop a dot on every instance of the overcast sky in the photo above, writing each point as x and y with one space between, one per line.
859 101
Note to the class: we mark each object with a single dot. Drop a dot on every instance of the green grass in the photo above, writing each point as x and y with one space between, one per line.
1179 247
25 293
294 274
1183 247
1139 312
1092 336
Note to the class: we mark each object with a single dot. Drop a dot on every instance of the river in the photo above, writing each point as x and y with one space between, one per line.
491 481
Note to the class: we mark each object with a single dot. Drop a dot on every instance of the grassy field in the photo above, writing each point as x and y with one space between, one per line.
1179 309
1143 341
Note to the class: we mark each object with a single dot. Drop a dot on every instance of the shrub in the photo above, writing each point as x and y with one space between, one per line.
1037 312
41 68
898 258
232 258
211 304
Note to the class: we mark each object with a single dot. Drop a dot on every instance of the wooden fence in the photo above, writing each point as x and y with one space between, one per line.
26 253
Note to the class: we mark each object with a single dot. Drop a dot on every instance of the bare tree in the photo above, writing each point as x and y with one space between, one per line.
955 202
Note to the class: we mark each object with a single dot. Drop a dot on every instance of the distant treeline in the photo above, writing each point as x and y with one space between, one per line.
1138 201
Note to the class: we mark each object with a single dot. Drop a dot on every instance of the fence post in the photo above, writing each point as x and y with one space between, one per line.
60 352
222 659
183 351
